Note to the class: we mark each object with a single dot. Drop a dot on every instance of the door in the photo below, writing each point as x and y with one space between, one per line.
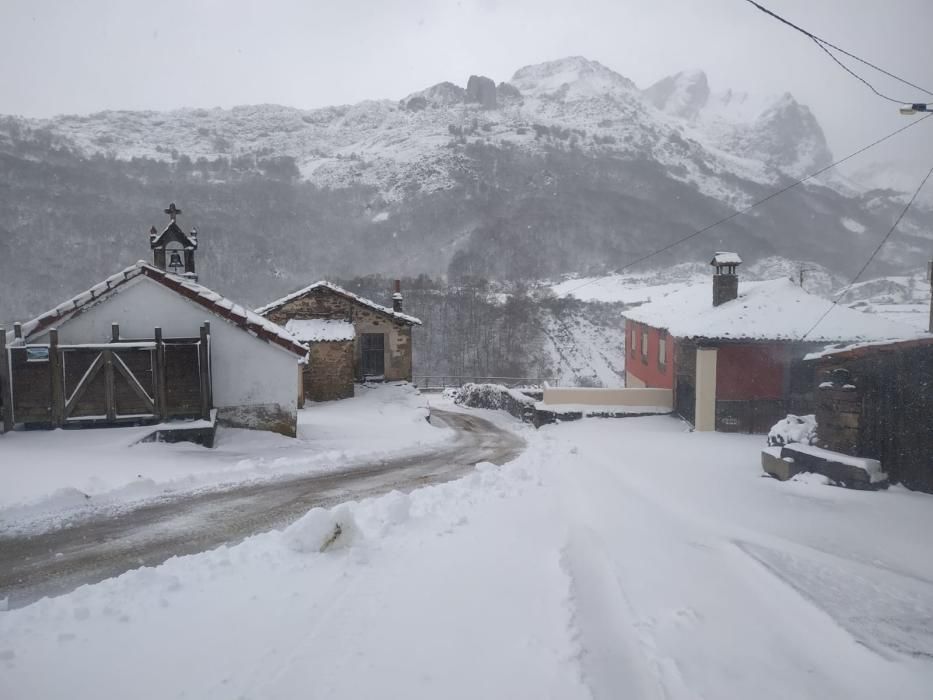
372 360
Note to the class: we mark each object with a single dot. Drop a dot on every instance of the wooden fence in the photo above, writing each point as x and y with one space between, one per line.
121 382
877 402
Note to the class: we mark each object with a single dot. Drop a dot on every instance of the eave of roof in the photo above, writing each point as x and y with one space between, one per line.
833 353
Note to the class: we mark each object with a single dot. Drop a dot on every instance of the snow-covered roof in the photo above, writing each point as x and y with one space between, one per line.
770 310
854 349
211 300
278 303
725 258
318 330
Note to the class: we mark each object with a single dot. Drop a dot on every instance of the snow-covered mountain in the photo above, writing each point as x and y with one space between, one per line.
403 148
567 167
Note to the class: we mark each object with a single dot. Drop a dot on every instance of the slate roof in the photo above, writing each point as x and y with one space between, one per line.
771 310
210 300
396 315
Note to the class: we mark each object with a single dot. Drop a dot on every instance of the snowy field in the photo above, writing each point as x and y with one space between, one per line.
614 559
48 477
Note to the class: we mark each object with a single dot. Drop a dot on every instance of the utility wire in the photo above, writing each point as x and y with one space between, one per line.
860 78
872 256
823 44
757 203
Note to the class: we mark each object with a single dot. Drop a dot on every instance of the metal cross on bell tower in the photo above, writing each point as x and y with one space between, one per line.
173 250
173 211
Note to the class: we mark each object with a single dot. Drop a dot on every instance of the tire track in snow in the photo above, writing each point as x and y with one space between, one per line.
106 545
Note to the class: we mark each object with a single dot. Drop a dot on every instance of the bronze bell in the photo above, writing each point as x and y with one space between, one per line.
175 261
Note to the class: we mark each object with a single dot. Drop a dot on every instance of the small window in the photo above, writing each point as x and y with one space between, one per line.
634 342
37 354
644 343
662 351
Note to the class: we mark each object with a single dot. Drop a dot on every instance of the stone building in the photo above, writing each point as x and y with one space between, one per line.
352 339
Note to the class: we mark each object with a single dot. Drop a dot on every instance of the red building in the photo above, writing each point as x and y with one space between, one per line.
735 363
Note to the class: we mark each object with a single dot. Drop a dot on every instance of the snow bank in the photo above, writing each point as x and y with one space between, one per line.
75 472
319 530
793 429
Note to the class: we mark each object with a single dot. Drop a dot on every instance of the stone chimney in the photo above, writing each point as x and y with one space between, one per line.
397 297
725 280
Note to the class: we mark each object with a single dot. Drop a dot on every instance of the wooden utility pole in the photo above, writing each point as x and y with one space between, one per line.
6 395
930 274
58 384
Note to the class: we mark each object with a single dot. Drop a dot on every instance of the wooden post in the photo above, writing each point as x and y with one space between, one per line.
204 373
158 375
109 394
58 384
930 326
18 331
210 373
6 393
115 332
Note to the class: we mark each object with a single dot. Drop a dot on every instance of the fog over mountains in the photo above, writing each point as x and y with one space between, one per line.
568 167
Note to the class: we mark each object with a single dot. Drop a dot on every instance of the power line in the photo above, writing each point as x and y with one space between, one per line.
826 45
872 256
757 203
860 78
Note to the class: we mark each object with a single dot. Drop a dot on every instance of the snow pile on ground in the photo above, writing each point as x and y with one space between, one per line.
793 429
320 529
492 396
630 558
51 477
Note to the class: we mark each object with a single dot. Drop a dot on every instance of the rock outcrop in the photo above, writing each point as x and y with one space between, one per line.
482 90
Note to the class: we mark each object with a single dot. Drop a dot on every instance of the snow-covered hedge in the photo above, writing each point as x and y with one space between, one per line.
498 397
793 429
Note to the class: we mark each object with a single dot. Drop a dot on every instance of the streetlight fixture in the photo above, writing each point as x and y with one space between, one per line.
907 110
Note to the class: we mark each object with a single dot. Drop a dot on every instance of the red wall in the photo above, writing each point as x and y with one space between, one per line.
650 373
751 371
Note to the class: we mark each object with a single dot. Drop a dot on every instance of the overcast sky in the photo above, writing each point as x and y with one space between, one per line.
78 57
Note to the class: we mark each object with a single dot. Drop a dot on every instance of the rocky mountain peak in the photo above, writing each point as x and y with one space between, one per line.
571 78
683 94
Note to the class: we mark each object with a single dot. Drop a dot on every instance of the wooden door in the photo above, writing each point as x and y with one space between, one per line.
372 355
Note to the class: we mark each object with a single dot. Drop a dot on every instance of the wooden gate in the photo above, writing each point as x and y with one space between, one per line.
105 384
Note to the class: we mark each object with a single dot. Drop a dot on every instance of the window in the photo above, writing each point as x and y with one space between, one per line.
634 341
644 344
662 351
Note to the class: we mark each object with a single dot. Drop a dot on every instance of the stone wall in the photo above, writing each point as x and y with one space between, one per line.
329 374
324 303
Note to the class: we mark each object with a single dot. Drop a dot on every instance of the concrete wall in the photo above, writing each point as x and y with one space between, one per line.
609 397
255 383
324 303
705 412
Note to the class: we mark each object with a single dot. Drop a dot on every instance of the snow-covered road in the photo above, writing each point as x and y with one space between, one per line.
99 546
612 559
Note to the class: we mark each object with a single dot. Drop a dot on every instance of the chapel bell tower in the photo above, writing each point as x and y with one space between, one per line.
173 249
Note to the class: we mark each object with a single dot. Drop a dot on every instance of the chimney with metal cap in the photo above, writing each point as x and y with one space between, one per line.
725 281
397 297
